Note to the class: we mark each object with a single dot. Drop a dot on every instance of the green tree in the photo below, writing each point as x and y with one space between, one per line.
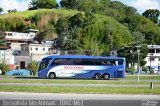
36 4
33 66
131 54
12 11
152 14
1 9
90 6
62 25
2 39
71 4
4 67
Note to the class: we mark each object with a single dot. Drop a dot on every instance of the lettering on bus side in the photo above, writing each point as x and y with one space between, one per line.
73 67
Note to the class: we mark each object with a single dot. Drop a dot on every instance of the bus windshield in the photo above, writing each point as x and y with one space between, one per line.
44 64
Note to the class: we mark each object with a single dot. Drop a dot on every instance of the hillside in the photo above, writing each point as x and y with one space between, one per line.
45 20
85 30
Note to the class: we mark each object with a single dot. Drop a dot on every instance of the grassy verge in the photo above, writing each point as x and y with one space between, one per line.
129 80
94 90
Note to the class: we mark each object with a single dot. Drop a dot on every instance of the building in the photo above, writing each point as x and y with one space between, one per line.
12 47
36 49
113 52
6 55
15 39
153 57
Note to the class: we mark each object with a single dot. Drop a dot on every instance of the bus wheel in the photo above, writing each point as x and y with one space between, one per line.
97 76
106 76
52 75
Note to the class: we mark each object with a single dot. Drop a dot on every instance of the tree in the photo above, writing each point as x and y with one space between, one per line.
35 4
33 66
62 25
70 4
1 9
152 14
4 67
2 39
12 11
90 6
131 54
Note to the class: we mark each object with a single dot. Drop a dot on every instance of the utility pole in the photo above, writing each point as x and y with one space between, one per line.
138 62
97 49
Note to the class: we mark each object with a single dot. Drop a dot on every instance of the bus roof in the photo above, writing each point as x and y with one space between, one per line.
82 56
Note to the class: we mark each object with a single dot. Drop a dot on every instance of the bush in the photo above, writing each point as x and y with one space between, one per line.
130 70
4 67
33 66
145 69
151 71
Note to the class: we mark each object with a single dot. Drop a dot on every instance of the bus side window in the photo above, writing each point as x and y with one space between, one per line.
68 61
108 63
55 62
77 62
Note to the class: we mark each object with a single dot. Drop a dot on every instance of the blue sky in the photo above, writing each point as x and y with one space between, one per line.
140 5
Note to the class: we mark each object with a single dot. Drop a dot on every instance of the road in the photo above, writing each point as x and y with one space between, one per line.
46 96
82 99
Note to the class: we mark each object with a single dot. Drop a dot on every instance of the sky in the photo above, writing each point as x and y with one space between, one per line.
140 5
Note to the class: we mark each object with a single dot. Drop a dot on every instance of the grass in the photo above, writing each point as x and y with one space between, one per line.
129 80
87 90
29 13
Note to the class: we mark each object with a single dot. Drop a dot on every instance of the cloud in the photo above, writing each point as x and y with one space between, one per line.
142 5
19 5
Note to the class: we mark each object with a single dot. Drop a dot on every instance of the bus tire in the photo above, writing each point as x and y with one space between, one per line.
97 76
106 76
52 76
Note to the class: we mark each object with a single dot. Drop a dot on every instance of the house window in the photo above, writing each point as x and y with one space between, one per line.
151 50
36 49
112 53
30 48
9 34
157 50
43 49
152 59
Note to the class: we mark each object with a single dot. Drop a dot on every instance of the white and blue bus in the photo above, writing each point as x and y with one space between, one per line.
96 67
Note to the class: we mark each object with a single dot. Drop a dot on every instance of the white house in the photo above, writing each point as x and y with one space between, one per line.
16 36
153 57
15 39
37 49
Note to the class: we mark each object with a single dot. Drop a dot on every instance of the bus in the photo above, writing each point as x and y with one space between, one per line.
71 66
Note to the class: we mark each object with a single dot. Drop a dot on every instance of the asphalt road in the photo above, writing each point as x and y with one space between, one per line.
79 99
46 96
